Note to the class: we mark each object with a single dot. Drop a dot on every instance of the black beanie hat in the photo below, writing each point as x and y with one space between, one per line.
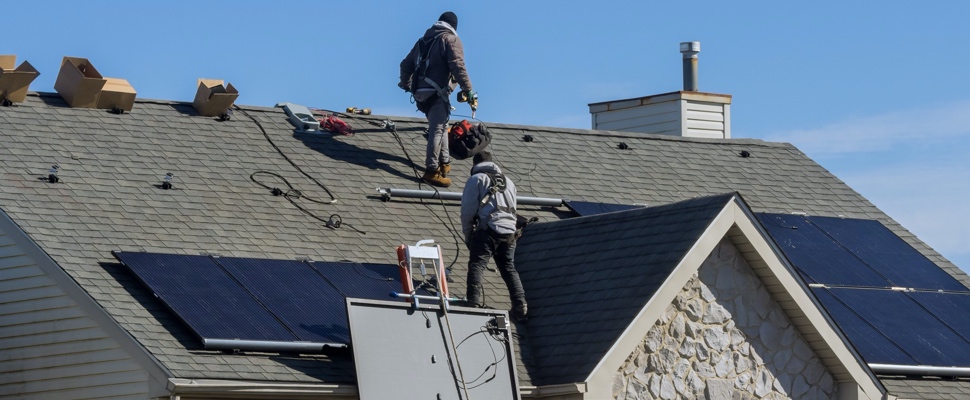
450 18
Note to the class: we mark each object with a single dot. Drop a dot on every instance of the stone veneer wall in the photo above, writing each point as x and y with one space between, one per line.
723 337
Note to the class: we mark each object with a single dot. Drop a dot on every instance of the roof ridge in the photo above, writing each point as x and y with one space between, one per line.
528 128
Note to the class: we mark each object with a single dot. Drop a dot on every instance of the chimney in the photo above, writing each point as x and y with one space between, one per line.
690 50
686 113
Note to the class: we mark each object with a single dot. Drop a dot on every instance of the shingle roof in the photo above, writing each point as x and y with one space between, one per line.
109 200
587 278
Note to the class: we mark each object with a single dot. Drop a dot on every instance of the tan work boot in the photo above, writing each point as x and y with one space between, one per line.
444 169
434 177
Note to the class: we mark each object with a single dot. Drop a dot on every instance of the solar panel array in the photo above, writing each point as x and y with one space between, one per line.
261 299
893 304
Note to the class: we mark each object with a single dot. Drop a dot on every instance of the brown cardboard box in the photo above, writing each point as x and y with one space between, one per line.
15 82
79 83
117 93
212 99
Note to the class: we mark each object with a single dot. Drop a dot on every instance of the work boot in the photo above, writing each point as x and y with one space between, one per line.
444 169
435 178
520 313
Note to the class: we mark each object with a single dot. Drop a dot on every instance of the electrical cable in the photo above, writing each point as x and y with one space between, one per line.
287 158
333 222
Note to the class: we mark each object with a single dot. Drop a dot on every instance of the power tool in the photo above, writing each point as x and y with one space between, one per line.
361 111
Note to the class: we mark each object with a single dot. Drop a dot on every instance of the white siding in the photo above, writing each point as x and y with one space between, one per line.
675 114
50 347
661 118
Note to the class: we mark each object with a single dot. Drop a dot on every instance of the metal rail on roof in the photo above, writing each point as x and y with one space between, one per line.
267 346
387 193
918 370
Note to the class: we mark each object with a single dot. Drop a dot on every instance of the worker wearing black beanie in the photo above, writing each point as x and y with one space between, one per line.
450 18
432 70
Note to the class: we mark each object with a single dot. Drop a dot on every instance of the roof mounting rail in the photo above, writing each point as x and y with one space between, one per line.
301 117
387 193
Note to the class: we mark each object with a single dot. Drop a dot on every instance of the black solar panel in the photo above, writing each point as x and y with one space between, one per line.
296 294
365 281
816 256
205 297
585 208
853 252
885 252
897 317
873 346
262 299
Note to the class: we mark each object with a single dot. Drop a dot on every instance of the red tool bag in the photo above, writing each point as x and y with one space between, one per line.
466 140
336 125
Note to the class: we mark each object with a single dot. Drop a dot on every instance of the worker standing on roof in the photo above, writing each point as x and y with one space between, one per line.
488 222
430 72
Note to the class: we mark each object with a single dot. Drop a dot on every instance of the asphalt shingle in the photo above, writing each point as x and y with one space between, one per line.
109 199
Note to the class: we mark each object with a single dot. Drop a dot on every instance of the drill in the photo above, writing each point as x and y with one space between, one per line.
355 110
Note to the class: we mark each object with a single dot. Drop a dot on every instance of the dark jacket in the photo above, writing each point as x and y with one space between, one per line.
447 61
498 213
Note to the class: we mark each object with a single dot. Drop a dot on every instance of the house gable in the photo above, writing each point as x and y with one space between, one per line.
724 336
735 222
54 339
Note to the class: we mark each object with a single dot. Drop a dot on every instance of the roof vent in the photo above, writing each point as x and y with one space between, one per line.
214 99
686 113
690 51
14 82
82 86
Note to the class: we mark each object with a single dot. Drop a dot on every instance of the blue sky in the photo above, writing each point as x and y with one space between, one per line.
876 92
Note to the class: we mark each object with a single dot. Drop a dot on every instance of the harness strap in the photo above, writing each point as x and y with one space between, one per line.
426 59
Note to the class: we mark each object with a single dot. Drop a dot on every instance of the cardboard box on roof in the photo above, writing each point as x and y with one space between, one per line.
117 92
79 83
14 82
212 98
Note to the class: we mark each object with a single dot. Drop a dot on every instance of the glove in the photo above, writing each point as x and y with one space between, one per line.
403 86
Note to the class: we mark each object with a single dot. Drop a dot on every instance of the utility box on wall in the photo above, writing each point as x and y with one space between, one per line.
82 86
14 82
212 98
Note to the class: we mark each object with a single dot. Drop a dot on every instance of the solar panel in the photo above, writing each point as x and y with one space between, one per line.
885 252
586 208
901 319
817 257
205 297
951 308
364 281
853 252
296 294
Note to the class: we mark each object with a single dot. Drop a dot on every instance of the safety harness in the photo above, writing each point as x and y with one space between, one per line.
421 64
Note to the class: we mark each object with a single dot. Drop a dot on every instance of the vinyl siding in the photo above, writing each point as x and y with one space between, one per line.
49 346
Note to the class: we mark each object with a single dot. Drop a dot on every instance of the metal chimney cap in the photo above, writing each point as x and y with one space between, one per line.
693 47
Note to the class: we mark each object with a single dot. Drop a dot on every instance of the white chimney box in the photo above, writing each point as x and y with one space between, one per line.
682 113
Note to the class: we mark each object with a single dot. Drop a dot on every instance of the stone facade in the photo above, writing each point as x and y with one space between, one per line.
723 337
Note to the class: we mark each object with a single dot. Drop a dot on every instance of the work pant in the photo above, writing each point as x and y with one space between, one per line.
483 245
438 116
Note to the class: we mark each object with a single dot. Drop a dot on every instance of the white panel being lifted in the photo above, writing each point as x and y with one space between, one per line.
400 352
